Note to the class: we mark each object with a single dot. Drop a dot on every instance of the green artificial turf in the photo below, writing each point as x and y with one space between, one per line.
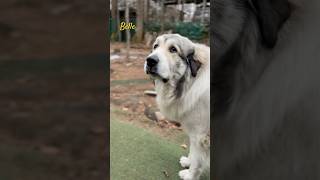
136 154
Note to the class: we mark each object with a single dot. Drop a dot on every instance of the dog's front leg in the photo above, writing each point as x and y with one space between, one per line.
193 160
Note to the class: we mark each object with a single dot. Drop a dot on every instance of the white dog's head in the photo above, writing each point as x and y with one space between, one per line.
172 57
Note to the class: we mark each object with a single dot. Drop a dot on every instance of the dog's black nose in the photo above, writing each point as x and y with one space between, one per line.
152 61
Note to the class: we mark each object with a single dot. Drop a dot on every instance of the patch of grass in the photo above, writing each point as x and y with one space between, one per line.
172 135
138 154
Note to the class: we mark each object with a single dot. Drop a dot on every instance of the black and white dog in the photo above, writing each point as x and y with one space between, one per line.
266 89
180 69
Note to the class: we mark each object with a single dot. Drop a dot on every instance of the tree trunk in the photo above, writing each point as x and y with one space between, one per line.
193 14
140 20
162 11
118 23
203 10
127 31
114 4
146 10
114 16
181 15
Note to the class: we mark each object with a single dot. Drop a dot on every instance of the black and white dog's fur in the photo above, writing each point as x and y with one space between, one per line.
181 71
266 89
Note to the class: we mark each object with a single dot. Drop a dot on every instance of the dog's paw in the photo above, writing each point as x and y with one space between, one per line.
184 162
185 175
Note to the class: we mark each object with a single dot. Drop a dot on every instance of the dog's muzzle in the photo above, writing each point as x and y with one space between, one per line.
151 68
152 62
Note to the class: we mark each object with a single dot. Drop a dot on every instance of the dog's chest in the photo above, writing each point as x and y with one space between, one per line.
172 111
169 106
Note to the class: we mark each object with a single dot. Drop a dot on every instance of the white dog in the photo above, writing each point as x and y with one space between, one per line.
181 71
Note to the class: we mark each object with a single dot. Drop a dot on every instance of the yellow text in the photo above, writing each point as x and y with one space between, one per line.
124 26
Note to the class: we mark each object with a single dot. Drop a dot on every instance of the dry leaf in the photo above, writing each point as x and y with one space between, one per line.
184 146
165 173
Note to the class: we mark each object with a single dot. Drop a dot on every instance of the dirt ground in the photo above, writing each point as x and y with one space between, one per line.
128 83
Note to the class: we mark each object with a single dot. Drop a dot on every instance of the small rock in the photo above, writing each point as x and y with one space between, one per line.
114 57
149 113
150 93
159 116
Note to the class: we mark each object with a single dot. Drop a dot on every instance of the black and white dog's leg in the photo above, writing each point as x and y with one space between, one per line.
194 160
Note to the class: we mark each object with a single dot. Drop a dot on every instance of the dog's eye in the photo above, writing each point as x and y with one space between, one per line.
173 49
155 46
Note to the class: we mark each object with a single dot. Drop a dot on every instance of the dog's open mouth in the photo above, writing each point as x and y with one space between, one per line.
157 76
154 75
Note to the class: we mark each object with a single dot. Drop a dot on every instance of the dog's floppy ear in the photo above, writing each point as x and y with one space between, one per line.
271 15
193 64
189 55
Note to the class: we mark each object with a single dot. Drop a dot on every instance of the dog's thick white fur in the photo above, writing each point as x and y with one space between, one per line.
182 83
